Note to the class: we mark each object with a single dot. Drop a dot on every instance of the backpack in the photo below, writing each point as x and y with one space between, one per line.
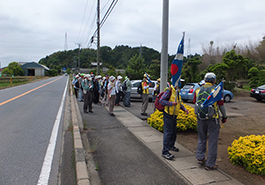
158 105
206 112
77 84
124 87
140 89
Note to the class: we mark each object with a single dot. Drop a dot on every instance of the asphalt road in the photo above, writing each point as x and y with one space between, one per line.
29 115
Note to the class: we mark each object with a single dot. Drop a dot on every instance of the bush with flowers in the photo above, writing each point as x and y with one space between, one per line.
249 152
184 121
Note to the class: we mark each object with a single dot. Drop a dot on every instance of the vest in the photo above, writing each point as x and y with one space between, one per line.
170 109
145 91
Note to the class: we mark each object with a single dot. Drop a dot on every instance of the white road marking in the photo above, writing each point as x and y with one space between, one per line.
47 163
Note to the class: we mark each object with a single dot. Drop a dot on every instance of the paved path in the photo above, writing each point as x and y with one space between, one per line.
122 159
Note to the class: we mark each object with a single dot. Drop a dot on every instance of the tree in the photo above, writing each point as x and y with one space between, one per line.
191 69
253 74
236 67
136 67
14 69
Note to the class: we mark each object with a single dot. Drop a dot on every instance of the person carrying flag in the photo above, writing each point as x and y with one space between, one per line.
208 118
145 95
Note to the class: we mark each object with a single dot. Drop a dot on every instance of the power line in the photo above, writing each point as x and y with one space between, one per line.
113 4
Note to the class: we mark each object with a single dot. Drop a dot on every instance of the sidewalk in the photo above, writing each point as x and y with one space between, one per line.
184 166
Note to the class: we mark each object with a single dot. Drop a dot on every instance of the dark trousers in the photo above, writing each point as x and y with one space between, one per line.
76 92
170 132
87 101
117 100
208 129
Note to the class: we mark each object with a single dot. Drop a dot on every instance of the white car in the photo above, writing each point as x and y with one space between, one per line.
135 85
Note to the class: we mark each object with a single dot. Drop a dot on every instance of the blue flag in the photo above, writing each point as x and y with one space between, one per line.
215 96
177 63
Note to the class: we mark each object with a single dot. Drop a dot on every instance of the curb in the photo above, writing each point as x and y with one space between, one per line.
82 175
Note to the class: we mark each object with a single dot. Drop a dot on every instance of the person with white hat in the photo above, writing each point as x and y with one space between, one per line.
111 94
208 123
87 85
118 90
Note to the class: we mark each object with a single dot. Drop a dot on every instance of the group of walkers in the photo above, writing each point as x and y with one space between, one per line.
108 90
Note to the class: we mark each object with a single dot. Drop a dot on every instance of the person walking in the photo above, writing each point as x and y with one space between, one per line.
127 92
76 87
111 94
208 125
87 85
145 95
118 90
156 90
172 102
80 89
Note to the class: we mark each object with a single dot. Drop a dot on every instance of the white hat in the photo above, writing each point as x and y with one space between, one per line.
119 77
88 75
111 78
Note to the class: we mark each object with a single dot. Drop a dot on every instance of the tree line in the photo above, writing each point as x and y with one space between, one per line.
230 63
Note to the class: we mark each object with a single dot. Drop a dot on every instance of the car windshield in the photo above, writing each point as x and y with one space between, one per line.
188 86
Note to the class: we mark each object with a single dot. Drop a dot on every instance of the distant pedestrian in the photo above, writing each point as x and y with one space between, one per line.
111 94
127 92
156 90
118 90
80 89
172 102
87 85
75 84
145 95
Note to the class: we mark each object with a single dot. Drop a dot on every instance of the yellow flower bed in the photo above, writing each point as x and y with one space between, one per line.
184 121
249 151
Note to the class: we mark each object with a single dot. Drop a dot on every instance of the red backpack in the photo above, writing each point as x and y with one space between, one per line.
158 105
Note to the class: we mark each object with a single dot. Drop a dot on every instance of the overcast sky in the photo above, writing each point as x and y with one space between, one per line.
33 29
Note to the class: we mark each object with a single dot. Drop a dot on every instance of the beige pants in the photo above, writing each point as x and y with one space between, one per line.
111 103
145 99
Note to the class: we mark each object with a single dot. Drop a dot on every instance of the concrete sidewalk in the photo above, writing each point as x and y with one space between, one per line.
184 164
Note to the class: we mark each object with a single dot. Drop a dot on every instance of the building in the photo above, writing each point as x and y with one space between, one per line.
33 69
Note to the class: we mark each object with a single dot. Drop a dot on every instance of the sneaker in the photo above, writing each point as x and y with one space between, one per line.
112 114
201 162
91 111
168 156
175 149
208 168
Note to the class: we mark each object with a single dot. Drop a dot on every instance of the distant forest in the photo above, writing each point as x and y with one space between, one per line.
232 62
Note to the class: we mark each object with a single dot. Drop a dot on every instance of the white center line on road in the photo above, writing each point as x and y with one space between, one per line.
47 163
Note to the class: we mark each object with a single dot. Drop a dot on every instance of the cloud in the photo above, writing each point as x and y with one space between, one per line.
32 29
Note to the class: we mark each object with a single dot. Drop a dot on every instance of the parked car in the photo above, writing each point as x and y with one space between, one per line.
228 95
188 92
135 85
258 93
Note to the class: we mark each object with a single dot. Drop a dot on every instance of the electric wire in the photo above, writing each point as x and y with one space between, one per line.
113 4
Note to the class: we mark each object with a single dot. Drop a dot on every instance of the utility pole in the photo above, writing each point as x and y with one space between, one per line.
65 43
164 52
98 25
79 46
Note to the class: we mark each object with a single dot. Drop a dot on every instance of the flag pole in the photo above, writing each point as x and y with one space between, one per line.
177 82
164 50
